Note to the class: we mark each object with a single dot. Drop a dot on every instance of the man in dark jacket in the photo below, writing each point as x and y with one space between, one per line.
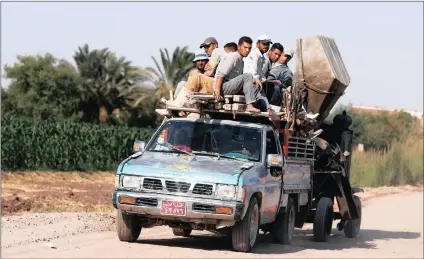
281 77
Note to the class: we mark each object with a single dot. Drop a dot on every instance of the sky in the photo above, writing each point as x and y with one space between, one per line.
381 43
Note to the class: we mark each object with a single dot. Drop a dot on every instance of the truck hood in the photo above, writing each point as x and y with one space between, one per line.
183 167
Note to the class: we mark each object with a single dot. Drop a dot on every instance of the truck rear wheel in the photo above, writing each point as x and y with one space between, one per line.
284 224
323 221
245 232
128 226
352 227
181 232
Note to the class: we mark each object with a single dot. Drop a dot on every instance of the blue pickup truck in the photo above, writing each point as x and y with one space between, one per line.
217 175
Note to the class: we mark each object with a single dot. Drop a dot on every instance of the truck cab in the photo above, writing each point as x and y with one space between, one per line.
202 174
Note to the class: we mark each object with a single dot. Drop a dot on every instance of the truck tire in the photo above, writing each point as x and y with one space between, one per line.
245 232
284 224
352 227
323 221
128 227
181 232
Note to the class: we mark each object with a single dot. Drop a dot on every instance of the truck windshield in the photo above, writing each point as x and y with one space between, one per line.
208 139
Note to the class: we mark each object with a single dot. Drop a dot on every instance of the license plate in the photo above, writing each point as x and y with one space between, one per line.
173 208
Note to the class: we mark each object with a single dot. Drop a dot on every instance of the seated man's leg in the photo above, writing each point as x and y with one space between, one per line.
277 95
242 84
178 88
182 98
200 83
261 100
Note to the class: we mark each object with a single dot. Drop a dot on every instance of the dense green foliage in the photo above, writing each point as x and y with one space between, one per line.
42 88
101 88
378 131
64 146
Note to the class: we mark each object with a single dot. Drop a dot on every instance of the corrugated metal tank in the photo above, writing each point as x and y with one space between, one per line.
320 66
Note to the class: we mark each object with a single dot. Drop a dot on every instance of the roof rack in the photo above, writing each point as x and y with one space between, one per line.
203 104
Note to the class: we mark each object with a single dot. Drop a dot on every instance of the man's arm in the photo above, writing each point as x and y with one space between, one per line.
286 79
212 65
251 65
274 76
224 68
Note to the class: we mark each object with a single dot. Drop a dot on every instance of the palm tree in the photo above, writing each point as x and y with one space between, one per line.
173 70
108 82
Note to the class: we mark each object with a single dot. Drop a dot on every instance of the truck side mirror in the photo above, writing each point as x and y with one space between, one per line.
275 163
138 146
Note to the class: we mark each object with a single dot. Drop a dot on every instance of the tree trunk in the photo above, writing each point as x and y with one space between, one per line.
103 114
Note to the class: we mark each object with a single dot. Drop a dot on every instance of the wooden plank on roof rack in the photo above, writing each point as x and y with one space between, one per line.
183 109
162 112
227 98
239 99
263 114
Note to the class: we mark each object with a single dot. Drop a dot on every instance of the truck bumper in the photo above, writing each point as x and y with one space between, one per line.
197 209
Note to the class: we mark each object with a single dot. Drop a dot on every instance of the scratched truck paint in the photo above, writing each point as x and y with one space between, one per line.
204 174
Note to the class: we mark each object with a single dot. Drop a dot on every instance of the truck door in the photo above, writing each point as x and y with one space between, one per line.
272 192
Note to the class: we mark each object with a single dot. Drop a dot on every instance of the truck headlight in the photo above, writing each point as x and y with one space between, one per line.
129 181
225 192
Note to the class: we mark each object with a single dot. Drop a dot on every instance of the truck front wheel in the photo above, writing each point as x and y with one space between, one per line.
128 226
245 232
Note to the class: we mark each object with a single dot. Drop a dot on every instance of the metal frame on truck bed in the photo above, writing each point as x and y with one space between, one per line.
309 187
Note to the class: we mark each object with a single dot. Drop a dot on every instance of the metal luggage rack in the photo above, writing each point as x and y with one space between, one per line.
301 148
206 104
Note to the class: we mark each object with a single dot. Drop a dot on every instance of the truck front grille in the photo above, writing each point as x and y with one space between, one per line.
152 202
173 186
152 184
202 189
203 208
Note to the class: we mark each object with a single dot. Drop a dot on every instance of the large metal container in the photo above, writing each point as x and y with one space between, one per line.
321 70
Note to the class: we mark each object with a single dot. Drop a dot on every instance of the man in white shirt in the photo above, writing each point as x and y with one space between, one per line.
255 61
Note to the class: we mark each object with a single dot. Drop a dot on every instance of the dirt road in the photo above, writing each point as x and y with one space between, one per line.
392 226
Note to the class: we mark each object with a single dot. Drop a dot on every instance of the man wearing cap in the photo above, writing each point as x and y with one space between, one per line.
282 77
214 53
254 63
200 60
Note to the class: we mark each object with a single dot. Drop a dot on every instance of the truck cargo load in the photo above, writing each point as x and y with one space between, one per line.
320 69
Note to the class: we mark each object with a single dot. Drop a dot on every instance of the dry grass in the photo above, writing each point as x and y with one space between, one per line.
401 164
57 192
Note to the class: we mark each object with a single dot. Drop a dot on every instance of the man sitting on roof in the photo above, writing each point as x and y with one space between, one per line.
200 82
230 79
183 90
280 77
210 45
200 60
